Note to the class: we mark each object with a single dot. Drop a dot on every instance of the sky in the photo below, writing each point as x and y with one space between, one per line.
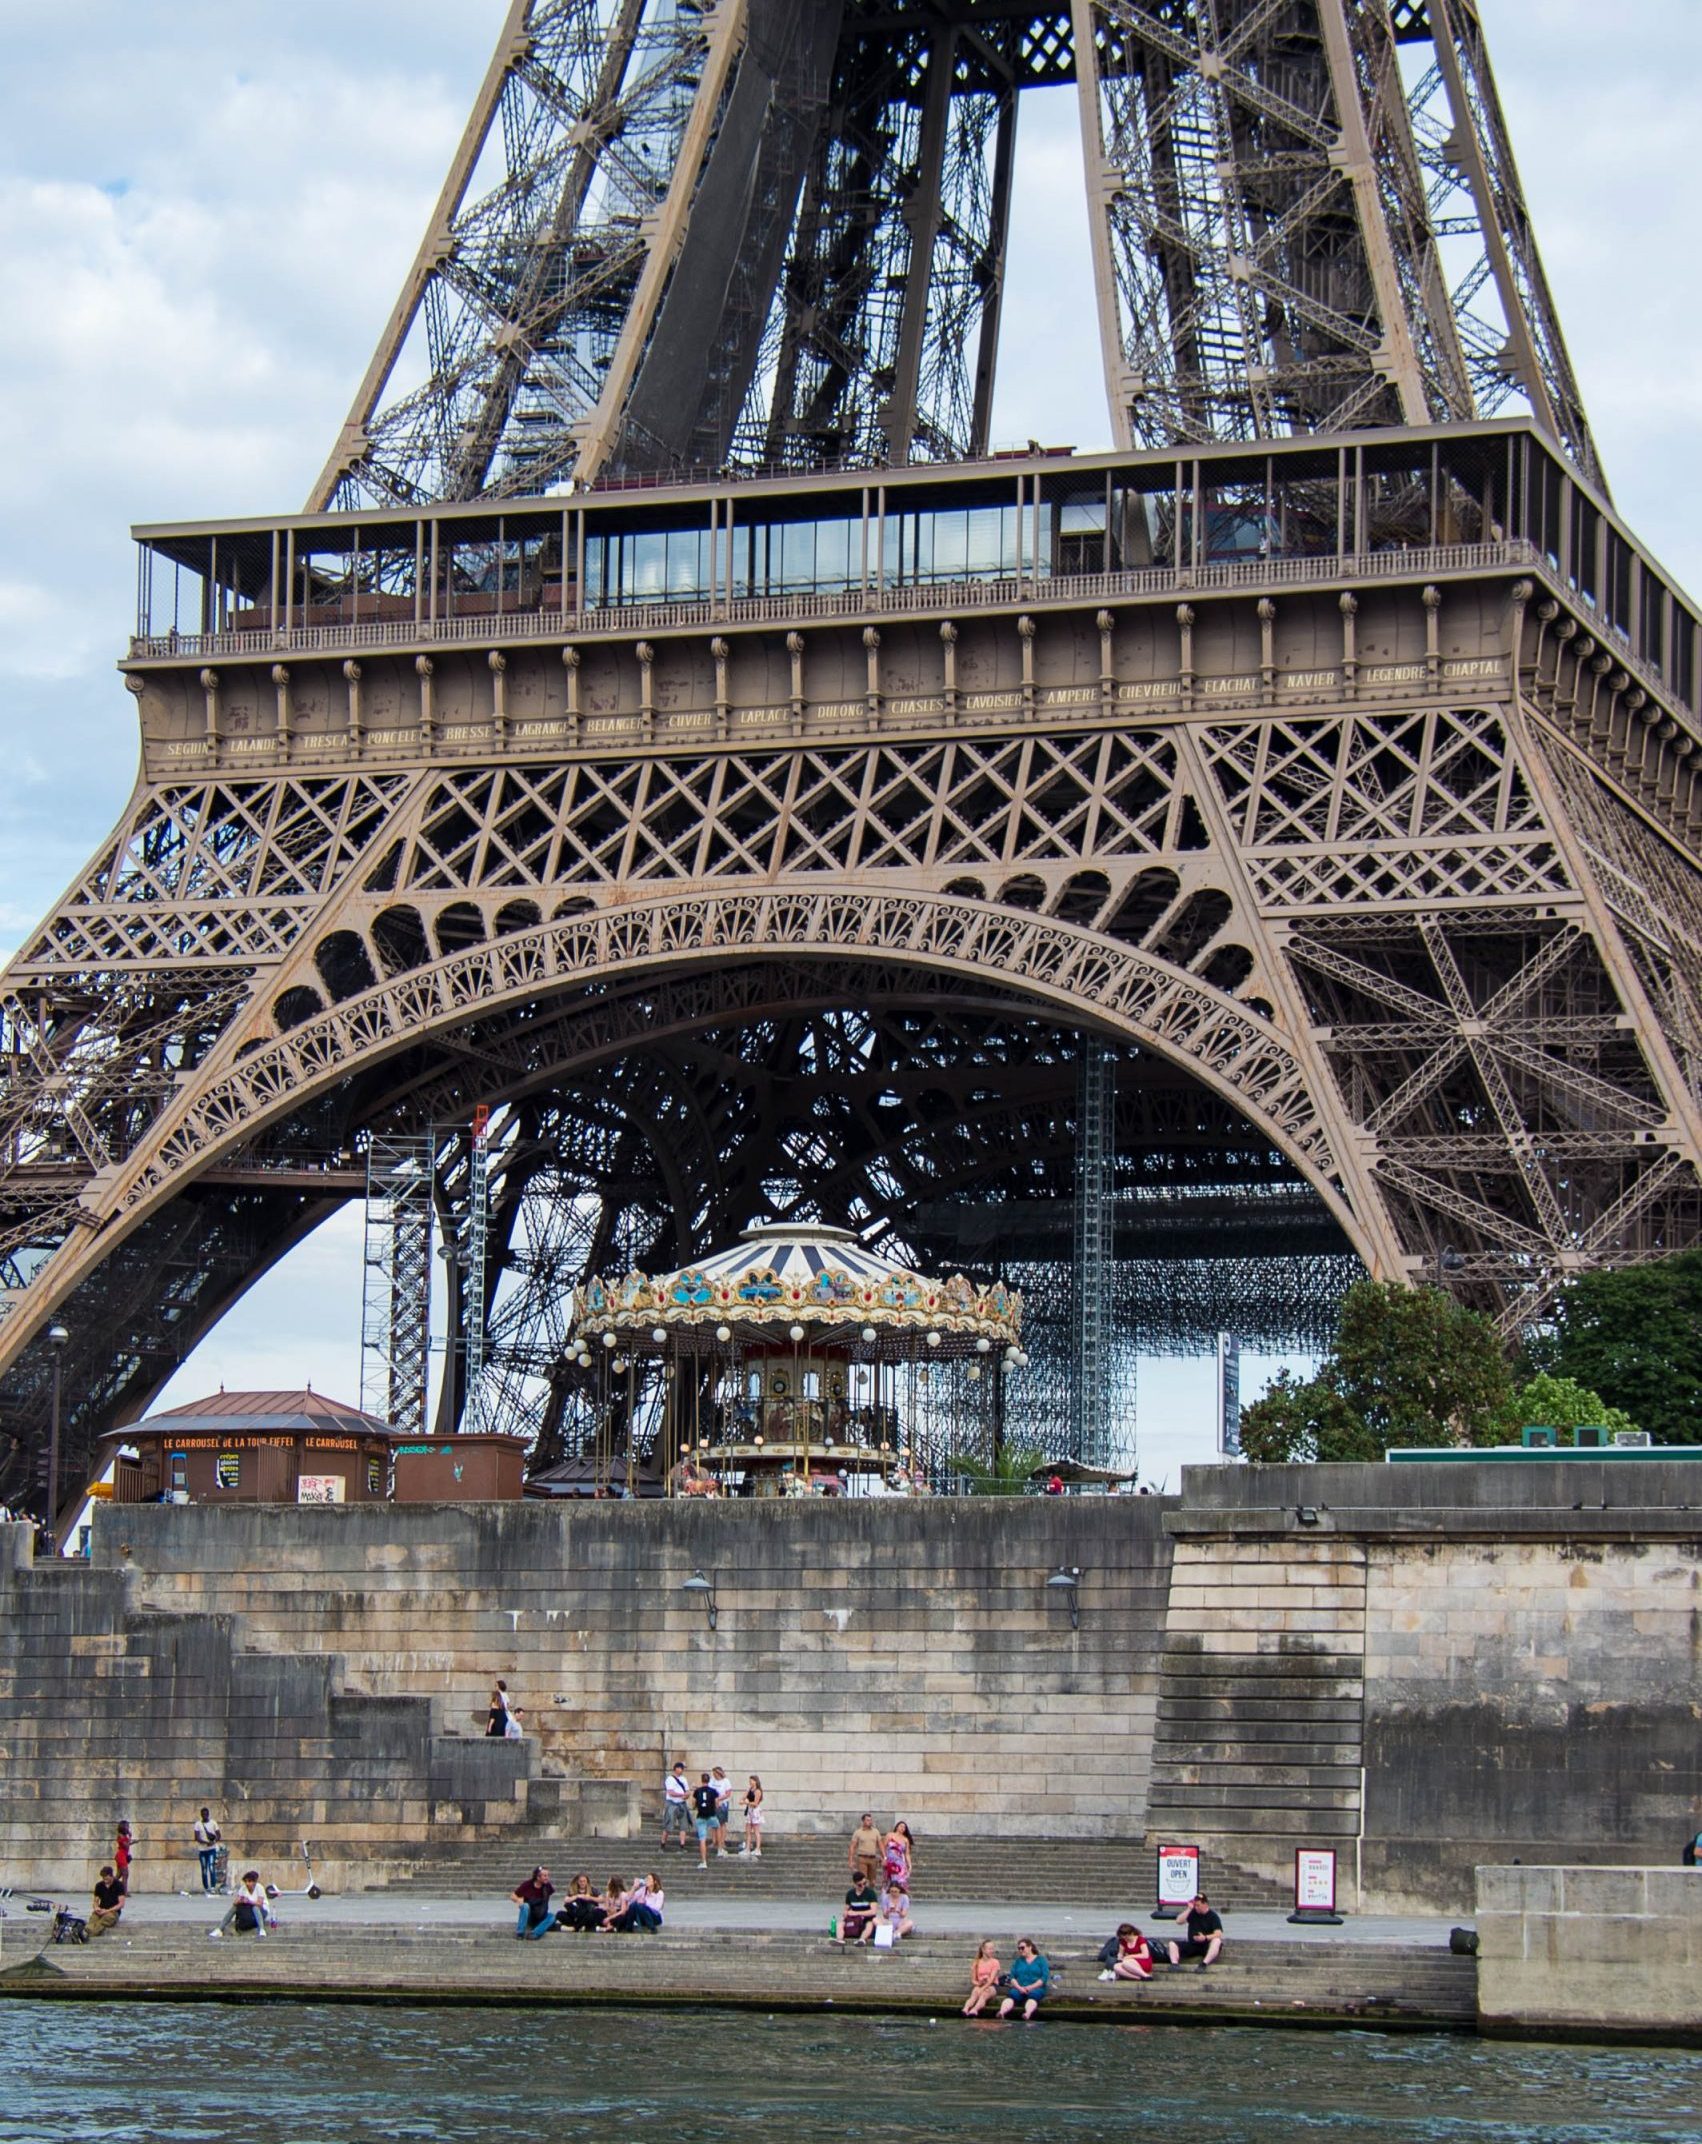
206 209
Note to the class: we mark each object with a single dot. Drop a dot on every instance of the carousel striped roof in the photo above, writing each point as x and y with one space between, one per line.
797 1254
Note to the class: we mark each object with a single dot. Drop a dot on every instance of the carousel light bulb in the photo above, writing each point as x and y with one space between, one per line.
797 1332
974 1373
608 1339
659 1333
868 1336
723 1333
983 1346
1022 1358
757 1440
933 1339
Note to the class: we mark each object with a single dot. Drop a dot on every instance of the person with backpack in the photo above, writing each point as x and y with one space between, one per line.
250 1910
706 1808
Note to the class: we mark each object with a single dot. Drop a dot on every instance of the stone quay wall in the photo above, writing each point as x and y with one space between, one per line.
1432 1667
1590 1951
1429 1668
901 1656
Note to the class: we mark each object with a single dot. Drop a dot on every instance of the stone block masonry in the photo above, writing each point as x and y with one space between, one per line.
900 1656
1433 1667
1590 1951
1427 1668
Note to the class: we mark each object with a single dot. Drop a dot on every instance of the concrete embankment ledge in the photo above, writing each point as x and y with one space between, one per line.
452 1960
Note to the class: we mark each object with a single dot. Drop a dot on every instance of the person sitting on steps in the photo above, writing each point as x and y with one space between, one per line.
1030 1980
862 1910
108 1908
250 1911
1204 1939
1130 1955
533 1899
983 1979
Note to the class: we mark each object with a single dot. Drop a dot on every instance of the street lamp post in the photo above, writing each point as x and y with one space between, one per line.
57 1340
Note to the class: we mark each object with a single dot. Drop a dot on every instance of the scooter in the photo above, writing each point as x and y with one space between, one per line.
310 1889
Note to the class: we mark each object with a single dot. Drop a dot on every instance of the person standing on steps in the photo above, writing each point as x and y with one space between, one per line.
676 1806
704 1802
121 1853
867 1850
208 1838
503 1716
753 1818
723 1806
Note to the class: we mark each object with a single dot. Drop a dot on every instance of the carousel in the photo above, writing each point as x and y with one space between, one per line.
799 1362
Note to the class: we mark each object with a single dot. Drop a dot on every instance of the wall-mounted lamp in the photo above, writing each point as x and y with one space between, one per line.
704 1589
1307 1514
1066 1580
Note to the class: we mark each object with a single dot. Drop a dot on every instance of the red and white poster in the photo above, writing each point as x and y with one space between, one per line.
1178 1876
1314 1880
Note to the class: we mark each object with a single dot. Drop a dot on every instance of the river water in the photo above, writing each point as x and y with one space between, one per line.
156 2073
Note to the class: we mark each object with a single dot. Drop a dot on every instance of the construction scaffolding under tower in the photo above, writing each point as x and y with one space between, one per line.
396 1298
1091 1425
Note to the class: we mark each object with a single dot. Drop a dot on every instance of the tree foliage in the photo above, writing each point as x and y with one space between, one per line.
1634 1338
1557 1403
1008 1473
1409 1366
1295 1421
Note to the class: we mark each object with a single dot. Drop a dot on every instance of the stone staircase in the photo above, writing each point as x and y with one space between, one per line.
1395 1985
1037 1872
110 1710
1259 1733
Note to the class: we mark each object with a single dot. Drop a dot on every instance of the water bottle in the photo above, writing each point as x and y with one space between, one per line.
833 1928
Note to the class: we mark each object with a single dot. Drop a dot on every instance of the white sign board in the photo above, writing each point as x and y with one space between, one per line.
1314 1880
1178 1875
319 1489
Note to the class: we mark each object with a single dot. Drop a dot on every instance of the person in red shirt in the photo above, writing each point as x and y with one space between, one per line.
121 1855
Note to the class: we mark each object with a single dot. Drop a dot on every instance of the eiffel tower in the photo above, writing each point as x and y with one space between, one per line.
672 728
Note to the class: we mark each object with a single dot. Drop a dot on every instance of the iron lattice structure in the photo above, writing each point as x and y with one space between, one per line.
396 1286
762 846
773 234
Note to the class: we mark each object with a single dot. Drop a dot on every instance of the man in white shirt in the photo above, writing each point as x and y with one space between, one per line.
250 1910
676 1807
208 1837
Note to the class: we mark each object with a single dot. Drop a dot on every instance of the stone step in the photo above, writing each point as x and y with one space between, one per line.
1362 1983
1036 1872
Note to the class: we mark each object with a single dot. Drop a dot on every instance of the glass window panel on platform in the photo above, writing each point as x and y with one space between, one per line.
624 566
1073 521
773 557
959 539
1396 501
